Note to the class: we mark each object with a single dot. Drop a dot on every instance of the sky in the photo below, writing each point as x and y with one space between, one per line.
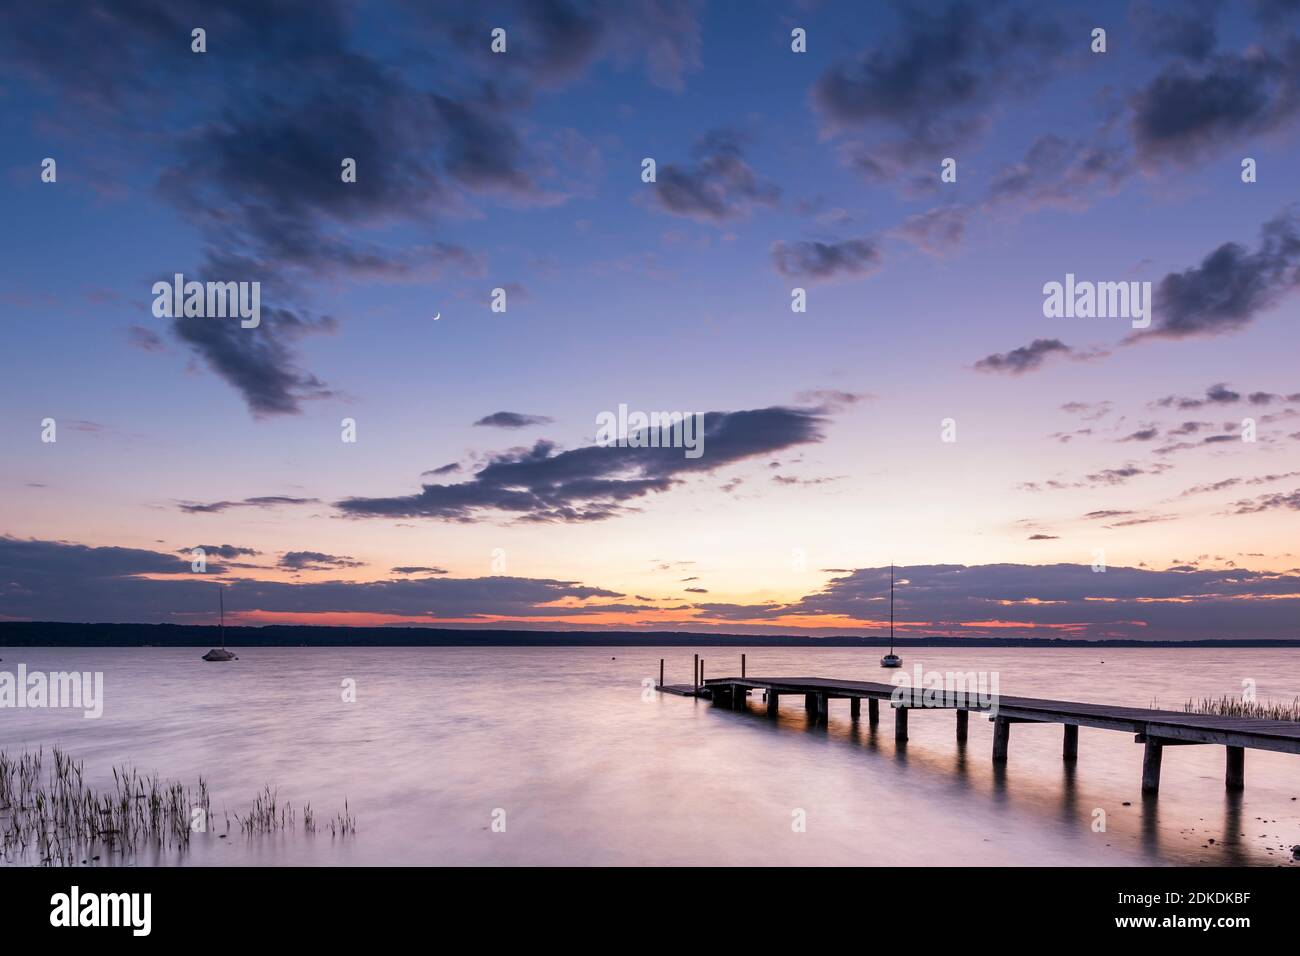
386 447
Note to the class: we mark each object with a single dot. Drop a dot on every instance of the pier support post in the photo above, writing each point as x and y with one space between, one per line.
823 708
742 665
1235 779
1070 746
873 711
1151 765
661 673
695 675
900 725
855 708
772 698
963 721
1001 739
810 703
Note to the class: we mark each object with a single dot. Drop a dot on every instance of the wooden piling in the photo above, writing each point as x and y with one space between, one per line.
1070 745
1151 765
742 665
1001 739
773 699
873 711
823 708
810 703
695 675
900 725
661 672
1235 779
855 708
963 721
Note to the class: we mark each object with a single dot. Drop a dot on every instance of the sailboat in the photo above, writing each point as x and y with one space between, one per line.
891 659
220 653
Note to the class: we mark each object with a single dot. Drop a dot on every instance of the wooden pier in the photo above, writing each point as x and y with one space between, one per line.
1155 729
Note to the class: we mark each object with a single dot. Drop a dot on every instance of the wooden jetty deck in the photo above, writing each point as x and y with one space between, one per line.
1156 729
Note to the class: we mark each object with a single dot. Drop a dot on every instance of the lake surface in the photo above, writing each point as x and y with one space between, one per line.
590 770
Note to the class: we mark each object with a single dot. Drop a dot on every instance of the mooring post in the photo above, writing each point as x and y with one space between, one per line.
873 711
1070 747
1151 766
823 708
701 671
695 675
1236 776
742 665
661 673
772 698
900 725
1001 739
855 708
963 720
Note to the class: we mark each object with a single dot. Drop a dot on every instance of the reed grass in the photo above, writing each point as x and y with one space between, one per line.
57 819
1239 707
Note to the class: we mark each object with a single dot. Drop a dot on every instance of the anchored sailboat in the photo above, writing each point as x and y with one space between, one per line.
891 659
220 653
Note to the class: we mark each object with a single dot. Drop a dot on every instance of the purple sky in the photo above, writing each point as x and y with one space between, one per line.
923 409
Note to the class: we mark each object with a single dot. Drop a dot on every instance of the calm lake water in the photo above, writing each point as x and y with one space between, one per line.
588 771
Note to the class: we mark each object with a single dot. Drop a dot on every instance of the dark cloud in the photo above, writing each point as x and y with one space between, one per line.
506 420
1217 394
263 501
1271 502
1026 358
442 469
419 570
1186 30
1231 286
719 184
936 231
1235 482
1059 173
1120 475
1142 434
1065 600
552 42
1185 111
697 590
825 261
930 83
595 482
1043 537
316 561
55 580
223 550
259 362
250 137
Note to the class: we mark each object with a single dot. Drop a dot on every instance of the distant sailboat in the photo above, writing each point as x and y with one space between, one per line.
220 653
891 659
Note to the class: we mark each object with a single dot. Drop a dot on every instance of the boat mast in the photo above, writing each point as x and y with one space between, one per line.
891 607
221 597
